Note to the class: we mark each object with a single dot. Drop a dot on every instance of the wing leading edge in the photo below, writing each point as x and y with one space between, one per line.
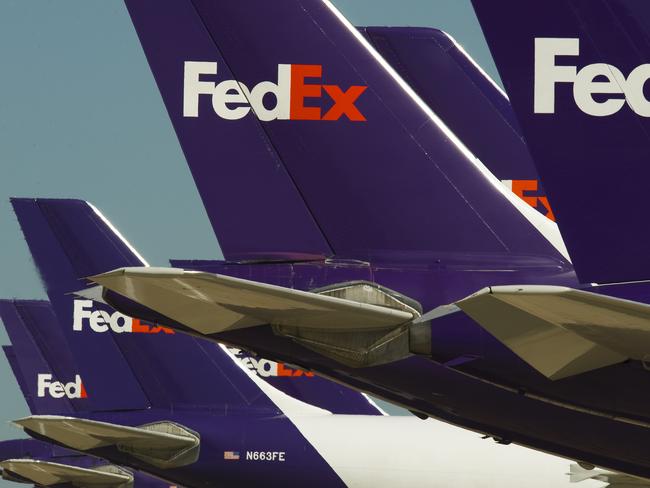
211 303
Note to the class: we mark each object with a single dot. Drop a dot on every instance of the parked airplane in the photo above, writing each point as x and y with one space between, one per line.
243 432
319 190
70 239
43 464
304 204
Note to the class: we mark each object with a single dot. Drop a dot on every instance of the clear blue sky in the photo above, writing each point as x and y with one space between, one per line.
80 116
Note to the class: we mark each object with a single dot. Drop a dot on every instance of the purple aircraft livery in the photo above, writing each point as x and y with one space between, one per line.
479 113
236 443
365 242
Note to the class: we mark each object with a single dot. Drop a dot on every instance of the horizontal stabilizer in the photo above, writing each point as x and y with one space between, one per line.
43 473
562 331
163 444
210 303
615 480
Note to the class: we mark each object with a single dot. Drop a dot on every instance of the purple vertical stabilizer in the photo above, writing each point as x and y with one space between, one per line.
576 73
472 105
378 171
30 367
169 369
10 354
57 233
124 361
255 208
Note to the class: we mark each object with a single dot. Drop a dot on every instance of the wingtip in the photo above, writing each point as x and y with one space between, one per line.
98 278
31 422
19 423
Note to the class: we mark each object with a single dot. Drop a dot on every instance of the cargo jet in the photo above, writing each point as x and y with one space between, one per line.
70 239
363 239
238 443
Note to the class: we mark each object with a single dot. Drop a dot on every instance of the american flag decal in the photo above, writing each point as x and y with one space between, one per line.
231 455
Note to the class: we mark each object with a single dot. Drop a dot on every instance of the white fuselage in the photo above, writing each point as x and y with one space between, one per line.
389 451
381 451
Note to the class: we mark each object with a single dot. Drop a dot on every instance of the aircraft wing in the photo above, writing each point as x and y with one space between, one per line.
84 434
211 303
44 473
163 444
560 331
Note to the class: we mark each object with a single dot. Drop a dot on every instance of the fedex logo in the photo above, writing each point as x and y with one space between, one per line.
102 321
266 368
526 189
56 389
296 85
597 88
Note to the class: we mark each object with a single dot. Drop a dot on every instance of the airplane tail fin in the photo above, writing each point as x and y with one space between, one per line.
29 366
67 240
10 355
318 147
152 360
575 71
70 238
309 388
446 77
